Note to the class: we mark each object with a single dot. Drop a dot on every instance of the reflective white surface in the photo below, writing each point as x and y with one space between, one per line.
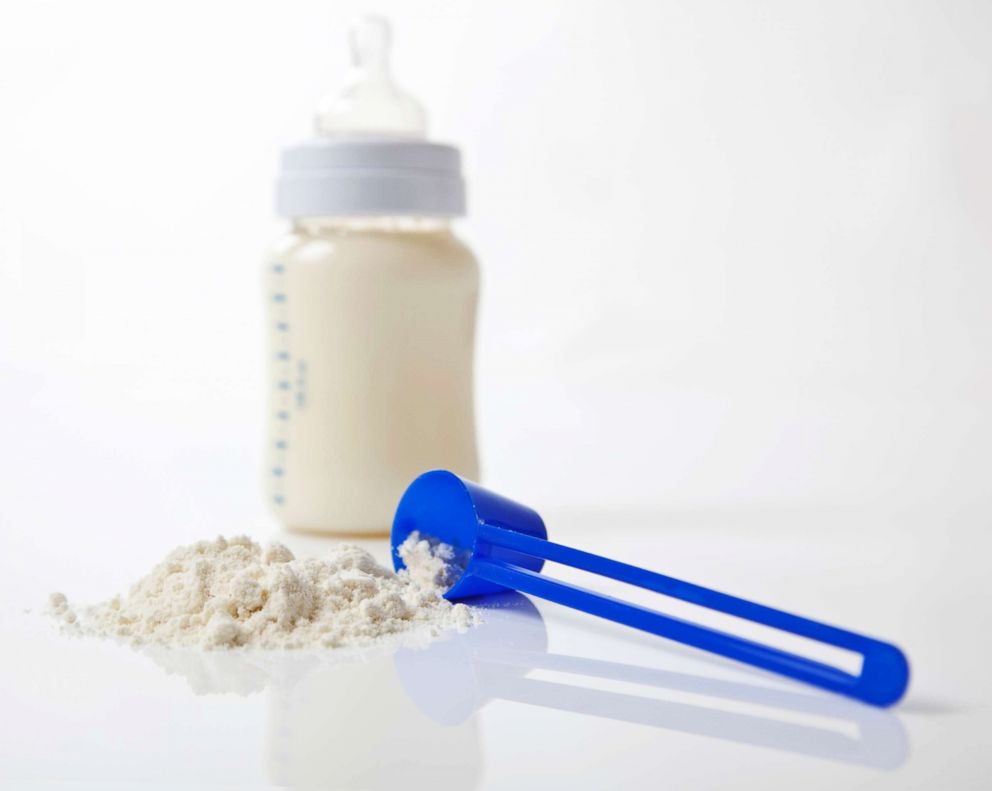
537 697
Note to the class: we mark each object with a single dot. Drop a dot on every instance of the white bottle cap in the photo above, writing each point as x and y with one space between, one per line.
370 156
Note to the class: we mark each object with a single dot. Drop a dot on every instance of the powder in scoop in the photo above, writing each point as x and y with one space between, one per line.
233 592
431 563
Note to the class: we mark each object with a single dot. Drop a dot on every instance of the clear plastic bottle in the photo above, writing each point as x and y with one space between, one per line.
372 310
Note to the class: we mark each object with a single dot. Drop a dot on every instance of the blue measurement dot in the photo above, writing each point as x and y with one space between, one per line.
282 356
278 268
281 444
282 415
282 326
284 385
278 499
277 471
278 297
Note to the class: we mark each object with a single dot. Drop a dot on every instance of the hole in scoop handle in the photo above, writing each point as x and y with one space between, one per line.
884 673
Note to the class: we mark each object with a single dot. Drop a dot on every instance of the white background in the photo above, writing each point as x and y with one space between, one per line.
733 253
736 325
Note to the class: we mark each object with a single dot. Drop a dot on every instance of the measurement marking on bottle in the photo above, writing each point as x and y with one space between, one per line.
282 381
301 384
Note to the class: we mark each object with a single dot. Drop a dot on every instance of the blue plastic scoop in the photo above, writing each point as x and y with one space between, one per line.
504 546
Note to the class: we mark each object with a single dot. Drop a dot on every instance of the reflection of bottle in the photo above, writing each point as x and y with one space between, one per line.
372 309
351 726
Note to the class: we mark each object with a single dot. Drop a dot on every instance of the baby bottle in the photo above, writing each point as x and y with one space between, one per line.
372 303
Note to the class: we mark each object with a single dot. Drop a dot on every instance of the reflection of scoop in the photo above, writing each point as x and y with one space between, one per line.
448 682
506 545
452 679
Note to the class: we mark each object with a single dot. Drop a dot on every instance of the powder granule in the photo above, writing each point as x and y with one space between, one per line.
233 592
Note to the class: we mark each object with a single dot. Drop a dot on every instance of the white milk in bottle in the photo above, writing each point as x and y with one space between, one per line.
372 309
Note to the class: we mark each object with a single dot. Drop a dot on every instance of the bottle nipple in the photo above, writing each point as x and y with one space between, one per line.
371 105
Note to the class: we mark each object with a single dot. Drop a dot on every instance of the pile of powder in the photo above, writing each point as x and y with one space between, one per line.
233 592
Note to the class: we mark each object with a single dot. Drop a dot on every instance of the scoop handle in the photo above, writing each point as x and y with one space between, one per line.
884 672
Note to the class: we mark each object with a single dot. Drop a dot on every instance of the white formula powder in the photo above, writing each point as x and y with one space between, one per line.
233 592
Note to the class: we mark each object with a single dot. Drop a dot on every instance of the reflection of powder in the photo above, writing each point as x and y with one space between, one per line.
232 592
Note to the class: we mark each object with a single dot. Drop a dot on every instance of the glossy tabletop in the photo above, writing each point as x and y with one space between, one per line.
538 696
